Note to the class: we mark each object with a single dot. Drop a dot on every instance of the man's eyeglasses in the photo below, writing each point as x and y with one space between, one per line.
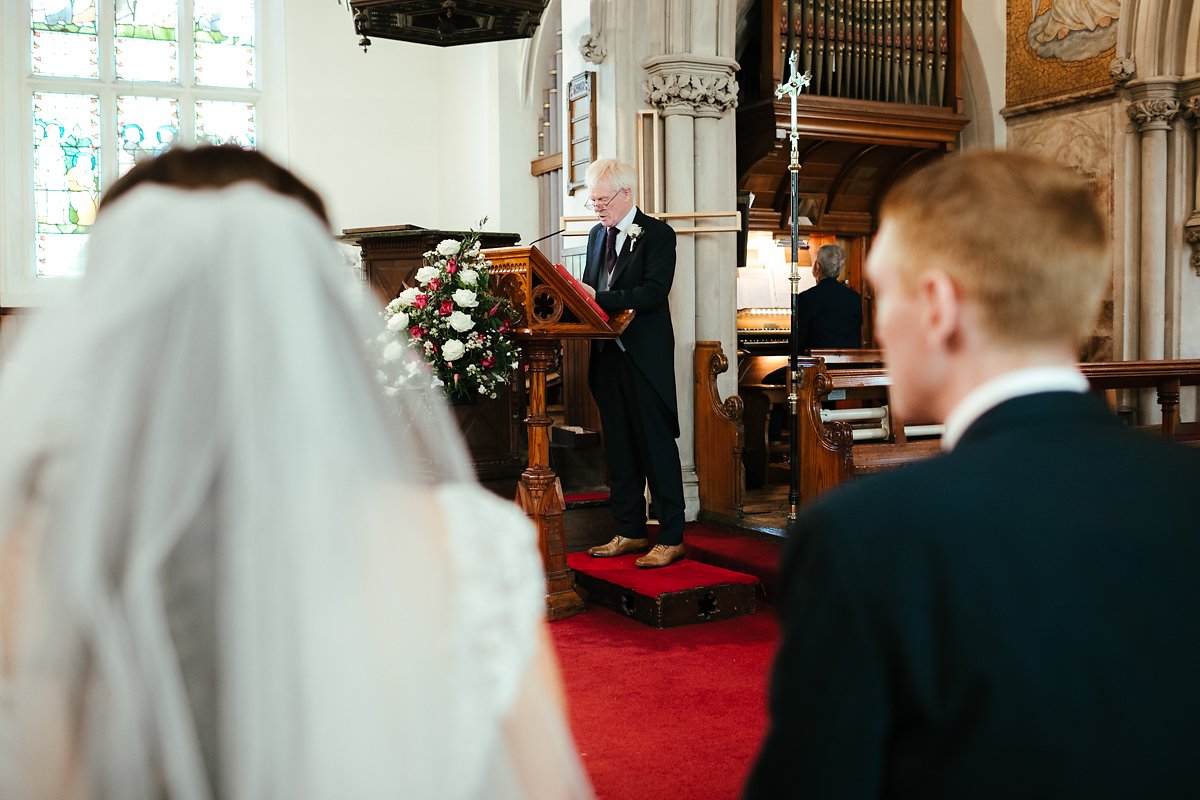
600 205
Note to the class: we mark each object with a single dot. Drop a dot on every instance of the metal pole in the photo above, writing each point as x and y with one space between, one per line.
792 86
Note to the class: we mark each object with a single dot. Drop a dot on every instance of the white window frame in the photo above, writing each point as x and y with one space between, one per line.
20 285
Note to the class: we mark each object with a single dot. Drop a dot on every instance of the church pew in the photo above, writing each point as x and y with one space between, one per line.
829 455
762 385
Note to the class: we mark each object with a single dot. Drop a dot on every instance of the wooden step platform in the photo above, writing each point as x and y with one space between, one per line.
686 592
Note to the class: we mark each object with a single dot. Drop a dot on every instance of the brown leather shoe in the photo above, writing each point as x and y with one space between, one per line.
617 546
661 555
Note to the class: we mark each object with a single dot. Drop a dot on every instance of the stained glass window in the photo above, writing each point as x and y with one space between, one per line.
66 155
224 31
108 85
146 126
146 40
64 38
219 122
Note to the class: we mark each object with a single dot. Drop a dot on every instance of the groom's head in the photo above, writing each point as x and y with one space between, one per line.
988 255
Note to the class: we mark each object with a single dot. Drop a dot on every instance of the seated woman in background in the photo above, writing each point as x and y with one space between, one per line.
233 568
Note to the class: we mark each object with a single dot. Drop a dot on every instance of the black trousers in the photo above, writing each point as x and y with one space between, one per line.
639 445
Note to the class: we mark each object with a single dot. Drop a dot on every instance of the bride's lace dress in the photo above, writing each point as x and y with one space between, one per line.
231 568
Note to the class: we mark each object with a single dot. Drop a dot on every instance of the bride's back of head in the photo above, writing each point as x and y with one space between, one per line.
237 580
215 167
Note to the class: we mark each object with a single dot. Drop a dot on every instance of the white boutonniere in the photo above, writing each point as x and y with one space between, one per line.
633 232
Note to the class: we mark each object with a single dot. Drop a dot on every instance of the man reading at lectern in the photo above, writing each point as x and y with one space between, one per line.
630 265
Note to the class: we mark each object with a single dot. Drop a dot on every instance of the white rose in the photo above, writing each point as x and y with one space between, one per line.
461 322
426 274
407 297
465 298
394 351
448 247
453 349
468 276
398 321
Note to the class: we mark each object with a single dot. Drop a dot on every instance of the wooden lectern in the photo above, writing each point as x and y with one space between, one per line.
553 306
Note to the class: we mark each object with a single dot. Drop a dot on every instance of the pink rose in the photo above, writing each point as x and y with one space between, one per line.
435 284
488 362
415 332
452 266
421 300
447 308
505 328
495 308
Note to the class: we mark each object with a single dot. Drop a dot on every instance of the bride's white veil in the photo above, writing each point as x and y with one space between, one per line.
233 568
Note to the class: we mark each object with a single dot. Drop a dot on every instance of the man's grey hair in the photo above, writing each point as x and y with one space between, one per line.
617 174
830 260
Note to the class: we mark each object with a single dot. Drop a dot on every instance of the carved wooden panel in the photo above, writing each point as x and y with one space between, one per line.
719 436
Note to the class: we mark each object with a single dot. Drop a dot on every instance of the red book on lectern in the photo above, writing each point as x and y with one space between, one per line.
581 290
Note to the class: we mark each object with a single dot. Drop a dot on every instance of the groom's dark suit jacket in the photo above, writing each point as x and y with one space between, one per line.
641 281
1019 618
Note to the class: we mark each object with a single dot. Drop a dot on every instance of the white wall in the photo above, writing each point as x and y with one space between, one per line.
986 21
408 133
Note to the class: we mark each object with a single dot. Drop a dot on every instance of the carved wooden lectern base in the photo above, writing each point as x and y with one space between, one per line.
539 494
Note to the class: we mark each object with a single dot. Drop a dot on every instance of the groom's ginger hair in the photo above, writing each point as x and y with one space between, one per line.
215 167
1021 237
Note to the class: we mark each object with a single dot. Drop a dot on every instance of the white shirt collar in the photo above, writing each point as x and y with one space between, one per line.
627 220
1018 383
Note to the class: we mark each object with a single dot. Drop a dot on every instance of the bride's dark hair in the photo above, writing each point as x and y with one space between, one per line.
214 167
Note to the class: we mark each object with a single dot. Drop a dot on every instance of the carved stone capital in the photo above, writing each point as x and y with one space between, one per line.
1192 234
592 48
1121 69
692 85
1154 113
1191 109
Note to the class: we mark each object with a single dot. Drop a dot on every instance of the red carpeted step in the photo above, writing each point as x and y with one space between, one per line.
585 499
687 591
752 553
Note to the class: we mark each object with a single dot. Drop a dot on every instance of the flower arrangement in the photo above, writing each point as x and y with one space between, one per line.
452 320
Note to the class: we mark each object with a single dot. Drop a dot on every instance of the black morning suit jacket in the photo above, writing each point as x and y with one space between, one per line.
829 315
641 281
1019 618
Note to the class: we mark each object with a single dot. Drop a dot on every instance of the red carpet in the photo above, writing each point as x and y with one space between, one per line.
674 714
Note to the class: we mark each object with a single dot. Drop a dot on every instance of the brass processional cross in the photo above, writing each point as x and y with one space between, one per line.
792 88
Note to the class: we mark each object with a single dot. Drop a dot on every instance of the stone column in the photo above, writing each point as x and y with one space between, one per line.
1153 117
1191 108
703 87
693 94
679 188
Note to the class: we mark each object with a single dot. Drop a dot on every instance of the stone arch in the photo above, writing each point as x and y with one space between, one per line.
1160 36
